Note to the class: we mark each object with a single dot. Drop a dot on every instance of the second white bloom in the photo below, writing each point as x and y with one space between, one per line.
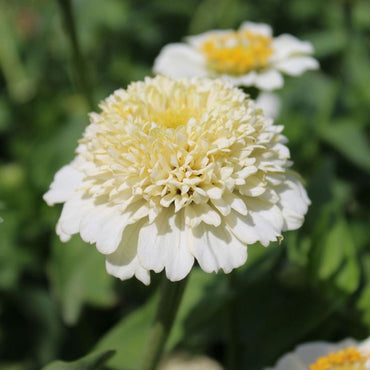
250 56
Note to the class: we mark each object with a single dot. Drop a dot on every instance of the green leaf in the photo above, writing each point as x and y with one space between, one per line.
338 259
94 361
348 138
328 42
78 277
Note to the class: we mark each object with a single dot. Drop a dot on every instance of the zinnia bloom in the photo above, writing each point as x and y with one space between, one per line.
176 170
345 355
250 56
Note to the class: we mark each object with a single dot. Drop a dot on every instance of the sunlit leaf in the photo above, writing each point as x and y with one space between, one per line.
94 361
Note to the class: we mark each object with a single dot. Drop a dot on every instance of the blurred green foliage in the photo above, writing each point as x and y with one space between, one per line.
57 302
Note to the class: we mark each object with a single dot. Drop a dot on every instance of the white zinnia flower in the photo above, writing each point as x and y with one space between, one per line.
345 355
250 56
172 171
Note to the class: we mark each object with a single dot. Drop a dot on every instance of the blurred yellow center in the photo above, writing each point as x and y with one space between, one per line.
347 359
173 118
237 52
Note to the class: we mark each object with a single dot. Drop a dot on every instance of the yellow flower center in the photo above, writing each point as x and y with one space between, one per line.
237 52
346 359
173 118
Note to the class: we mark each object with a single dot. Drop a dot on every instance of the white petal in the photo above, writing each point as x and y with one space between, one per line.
216 248
104 226
196 213
270 104
236 202
124 263
65 182
222 206
248 79
365 346
269 80
310 352
288 45
289 362
259 28
263 223
296 65
165 244
180 60
293 202
73 211
197 40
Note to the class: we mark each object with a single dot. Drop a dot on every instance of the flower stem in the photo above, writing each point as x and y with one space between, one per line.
233 355
78 60
170 298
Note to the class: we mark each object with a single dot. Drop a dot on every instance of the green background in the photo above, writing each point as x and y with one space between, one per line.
57 301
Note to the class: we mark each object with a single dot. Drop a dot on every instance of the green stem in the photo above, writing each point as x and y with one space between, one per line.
78 60
233 355
169 302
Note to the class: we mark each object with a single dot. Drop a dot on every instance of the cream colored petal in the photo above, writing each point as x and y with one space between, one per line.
104 226
73 211
254 186
65 182
165 244
259 28
263 223
293 202
124 263
296 65
179 260
269 80
197 213
180 60
216 248
287 45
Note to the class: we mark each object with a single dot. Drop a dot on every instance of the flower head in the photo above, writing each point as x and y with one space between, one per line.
250 56
176 170
345 355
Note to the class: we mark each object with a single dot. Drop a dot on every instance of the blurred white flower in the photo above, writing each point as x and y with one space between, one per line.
270 103
176 170
250 56
345 355
185 361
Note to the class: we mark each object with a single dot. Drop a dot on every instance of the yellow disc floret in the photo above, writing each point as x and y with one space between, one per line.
346 359
237 52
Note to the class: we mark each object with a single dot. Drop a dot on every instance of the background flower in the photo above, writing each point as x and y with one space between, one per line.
176 170
347 354
250 56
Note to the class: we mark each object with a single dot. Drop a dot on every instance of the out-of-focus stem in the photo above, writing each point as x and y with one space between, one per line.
170 298
233 345
78 60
